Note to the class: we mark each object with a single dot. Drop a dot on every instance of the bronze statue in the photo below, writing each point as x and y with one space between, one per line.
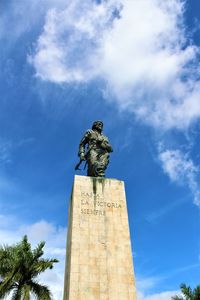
97 153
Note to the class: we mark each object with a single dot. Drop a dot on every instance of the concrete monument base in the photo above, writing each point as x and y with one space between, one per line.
99 258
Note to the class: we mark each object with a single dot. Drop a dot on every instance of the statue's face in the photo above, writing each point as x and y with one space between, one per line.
99 126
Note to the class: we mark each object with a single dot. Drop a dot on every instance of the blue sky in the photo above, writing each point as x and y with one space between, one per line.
134 65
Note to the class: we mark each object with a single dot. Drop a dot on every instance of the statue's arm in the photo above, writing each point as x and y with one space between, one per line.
109 147
106 145
83 143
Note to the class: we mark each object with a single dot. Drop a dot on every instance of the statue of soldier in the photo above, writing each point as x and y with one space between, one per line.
97 152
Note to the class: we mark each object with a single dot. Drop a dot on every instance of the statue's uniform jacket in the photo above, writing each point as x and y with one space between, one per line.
97 153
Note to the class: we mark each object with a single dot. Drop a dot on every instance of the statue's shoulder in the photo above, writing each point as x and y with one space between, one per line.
88 132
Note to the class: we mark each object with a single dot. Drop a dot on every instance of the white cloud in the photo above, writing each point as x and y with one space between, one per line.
7 147
11 231
181 169
149 66
146 284
159 296
68 48
5 152
23 15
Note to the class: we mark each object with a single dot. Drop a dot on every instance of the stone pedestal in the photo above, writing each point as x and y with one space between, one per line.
99 259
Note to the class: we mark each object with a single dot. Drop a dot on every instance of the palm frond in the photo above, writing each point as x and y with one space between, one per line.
41 292
197 292
38 252
7 259
17 293
187 291
42 265
26 292
7 284
19 266
6 290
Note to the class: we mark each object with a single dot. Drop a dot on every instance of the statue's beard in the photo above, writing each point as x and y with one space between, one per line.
98 130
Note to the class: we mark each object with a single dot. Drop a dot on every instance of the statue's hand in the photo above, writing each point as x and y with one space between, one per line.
103 145
106 146
82 156
100 139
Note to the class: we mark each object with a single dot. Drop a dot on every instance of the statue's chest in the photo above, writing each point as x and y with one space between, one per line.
95 136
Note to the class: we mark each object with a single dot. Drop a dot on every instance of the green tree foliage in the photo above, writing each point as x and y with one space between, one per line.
188 293
19 268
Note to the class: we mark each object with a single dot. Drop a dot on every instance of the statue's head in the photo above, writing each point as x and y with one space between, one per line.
97 125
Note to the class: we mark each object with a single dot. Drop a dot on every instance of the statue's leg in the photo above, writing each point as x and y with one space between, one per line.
91 159
97 163
101 164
